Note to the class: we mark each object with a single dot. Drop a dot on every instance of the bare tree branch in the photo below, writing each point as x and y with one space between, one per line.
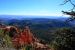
72 5
69 1
72 13
66 1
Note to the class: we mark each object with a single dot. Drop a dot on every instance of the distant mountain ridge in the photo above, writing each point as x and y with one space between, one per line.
39 26
27 17
21 19
34 20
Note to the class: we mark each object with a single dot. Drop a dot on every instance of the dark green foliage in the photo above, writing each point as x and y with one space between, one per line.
12 32
28 47
5 40
64 39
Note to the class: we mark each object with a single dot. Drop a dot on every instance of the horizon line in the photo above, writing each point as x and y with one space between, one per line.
35 15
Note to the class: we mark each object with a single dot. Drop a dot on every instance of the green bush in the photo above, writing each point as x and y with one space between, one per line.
63 39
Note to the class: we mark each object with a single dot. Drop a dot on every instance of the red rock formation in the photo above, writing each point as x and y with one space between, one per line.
24 38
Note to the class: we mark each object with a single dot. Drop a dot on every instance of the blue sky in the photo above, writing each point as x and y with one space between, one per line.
32 7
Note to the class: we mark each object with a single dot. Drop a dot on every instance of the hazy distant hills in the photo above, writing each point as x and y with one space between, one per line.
48 20
39 26
52 21
6 17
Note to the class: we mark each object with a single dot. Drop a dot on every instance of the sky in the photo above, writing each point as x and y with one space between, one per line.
33 7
